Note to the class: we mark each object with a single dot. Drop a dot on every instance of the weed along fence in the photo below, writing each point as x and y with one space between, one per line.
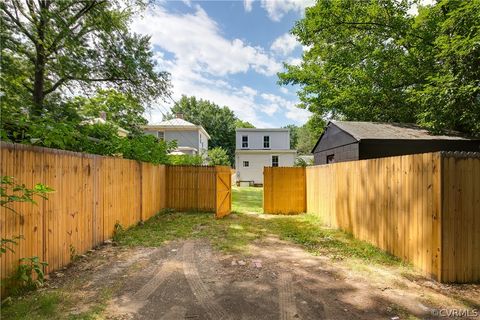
423 208
92 194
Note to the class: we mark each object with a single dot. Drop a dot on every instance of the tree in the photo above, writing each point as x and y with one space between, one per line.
75 45
293 135
218 157
219 122
373 61
243 124
121 109
303 138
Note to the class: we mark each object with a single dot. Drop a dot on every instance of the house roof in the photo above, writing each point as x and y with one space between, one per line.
361 130
391 131
176 124
262 129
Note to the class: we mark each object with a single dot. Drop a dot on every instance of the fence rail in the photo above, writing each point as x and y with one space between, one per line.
92 194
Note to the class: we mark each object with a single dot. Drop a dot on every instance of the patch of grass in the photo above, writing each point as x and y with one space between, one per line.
236 231
247 199
37 305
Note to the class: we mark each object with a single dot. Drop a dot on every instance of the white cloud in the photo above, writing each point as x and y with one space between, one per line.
276 9
285 44
274 103
193 49
195 39
247 4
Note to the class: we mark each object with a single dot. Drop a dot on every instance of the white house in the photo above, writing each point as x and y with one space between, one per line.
259 148
191 139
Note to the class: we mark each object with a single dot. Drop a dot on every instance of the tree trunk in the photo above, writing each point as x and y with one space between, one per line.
40 61
39 81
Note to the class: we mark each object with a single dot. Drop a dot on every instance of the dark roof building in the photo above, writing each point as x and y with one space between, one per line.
352 140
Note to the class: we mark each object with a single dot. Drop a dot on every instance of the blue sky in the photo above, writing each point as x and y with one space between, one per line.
228 52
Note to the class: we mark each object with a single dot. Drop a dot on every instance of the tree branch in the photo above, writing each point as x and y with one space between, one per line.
18 24
84 10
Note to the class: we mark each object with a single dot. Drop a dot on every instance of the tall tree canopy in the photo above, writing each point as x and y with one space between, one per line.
220 122
374 61
49 46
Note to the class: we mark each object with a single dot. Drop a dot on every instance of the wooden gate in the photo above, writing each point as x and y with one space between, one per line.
223 186
284 190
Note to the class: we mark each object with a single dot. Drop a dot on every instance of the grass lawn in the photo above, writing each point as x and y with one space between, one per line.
247 223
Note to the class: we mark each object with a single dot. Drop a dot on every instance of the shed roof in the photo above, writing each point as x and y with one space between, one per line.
391 131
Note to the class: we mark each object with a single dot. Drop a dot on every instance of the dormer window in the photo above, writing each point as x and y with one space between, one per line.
266 142
244 141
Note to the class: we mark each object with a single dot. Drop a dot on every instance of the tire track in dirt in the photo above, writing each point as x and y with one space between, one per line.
199 289
286 297
140 298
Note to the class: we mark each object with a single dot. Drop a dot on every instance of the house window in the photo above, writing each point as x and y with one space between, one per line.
266 142
244 141
274 161
161 135
246 164
331 158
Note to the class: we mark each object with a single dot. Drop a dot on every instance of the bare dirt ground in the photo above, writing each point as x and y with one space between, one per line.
277 280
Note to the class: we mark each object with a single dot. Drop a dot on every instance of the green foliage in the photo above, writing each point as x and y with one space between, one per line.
373 61
219 122
243 124
11 192
185 160
218 157
300 162
123 110
58 45
29 274
7 244
303 138
146 148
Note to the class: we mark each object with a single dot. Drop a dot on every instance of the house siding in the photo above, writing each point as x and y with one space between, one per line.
184 138
348 152
279 140
257 162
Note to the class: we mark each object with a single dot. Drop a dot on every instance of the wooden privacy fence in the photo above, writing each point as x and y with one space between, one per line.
92 194
423 208
205 188
284 190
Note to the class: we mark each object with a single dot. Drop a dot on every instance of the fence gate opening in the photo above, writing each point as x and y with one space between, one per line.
223 186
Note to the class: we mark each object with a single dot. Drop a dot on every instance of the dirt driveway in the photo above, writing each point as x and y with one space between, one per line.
278 280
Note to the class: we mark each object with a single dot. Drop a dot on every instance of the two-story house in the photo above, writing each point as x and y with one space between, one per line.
191 139
259 148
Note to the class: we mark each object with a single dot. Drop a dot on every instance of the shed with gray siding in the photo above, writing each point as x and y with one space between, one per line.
352 140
